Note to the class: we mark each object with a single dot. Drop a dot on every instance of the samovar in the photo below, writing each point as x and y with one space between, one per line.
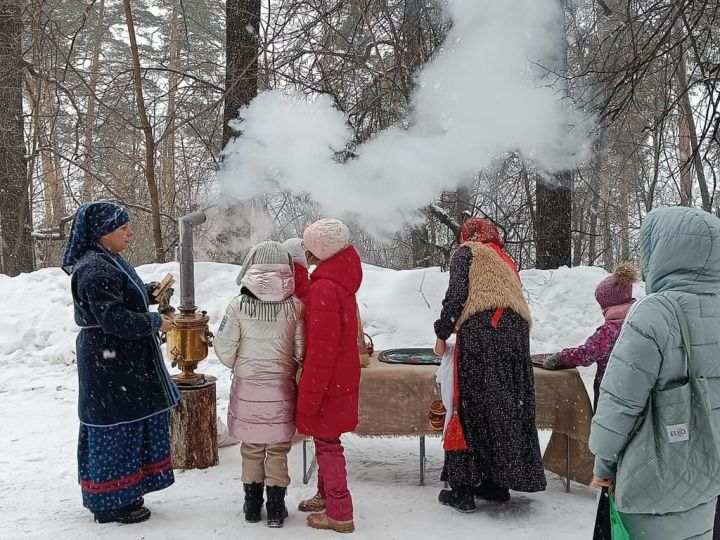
190 337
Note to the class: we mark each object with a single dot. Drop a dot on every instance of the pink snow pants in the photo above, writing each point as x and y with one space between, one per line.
332 479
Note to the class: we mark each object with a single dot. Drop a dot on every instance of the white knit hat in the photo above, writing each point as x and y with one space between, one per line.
267 273
264 253
295 248
326 237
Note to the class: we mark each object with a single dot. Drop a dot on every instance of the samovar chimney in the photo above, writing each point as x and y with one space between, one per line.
190 337
187 260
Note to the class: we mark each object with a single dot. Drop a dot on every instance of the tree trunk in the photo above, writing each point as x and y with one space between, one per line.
168 183
149 140
525 176
15 222
414 53
51 166
608 255
578 224
553 215
193 427
684 158
421 257
594 209
657 153
624 214
89 124
41 101
462 209
241 59
411 57
553 233
687 113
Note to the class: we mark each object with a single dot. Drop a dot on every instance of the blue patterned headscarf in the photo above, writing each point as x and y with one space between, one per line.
92 221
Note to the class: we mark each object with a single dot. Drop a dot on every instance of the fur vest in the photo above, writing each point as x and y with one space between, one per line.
492 284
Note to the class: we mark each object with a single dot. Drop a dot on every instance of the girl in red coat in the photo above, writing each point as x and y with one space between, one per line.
330 382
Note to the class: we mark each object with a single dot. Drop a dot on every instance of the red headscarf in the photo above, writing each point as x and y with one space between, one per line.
481 230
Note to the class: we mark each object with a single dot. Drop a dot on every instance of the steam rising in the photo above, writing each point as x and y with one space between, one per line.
483 94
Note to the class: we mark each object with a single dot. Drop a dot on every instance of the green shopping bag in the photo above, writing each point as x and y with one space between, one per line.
617 528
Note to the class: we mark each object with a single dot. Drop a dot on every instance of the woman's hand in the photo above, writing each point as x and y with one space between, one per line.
440 347
599 483
167 324
551 361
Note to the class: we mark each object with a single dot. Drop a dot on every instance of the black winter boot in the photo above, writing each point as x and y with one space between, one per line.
460 498
137 505
123 515
490 491
276 510
253 501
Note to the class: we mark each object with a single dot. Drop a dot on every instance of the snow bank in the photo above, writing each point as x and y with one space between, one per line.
398 307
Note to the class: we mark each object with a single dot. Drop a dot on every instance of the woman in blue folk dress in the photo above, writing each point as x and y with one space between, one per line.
125 391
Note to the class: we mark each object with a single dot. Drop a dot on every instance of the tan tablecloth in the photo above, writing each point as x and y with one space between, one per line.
394 400
562 404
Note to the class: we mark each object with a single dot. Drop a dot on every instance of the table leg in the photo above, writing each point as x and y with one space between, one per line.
307 468
567 464
422 460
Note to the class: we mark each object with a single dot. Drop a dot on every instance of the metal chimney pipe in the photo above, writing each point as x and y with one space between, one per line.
187 259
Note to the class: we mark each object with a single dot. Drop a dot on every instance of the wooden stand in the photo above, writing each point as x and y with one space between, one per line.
193 427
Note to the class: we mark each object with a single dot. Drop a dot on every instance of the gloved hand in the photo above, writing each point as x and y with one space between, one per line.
168 294
164 306
163 300
552 362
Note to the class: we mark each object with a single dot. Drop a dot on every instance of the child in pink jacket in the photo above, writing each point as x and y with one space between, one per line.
615 296
262 339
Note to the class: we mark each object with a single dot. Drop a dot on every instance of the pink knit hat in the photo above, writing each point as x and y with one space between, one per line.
617 288
326 237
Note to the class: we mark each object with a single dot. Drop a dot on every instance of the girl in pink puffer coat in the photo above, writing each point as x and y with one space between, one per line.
262 339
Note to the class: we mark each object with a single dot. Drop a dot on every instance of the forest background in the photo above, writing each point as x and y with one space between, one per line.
135 101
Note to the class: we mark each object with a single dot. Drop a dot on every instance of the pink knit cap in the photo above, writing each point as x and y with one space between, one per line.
617 288
326 237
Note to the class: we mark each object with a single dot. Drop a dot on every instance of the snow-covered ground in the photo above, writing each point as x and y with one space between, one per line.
39 495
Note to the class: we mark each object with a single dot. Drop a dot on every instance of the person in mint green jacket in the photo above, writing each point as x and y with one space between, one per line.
680 253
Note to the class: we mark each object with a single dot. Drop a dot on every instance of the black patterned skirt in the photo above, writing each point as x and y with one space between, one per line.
119 464
497 407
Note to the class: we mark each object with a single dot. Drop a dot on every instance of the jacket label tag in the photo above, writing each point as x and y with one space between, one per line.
678 433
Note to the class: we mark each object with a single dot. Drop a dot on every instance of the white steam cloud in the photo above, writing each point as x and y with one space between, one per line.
483 95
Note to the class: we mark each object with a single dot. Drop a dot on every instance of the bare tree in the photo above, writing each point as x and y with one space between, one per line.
91 106
553 221
241 59
149 137
17 254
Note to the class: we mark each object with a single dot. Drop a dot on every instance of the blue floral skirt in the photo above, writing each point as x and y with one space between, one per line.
119 464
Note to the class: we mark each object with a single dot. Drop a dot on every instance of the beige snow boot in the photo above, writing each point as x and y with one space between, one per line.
322 521
313 504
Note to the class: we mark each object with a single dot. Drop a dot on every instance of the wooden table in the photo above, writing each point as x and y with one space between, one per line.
394 401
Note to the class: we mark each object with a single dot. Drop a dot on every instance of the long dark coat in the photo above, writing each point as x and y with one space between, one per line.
496 385
122 376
